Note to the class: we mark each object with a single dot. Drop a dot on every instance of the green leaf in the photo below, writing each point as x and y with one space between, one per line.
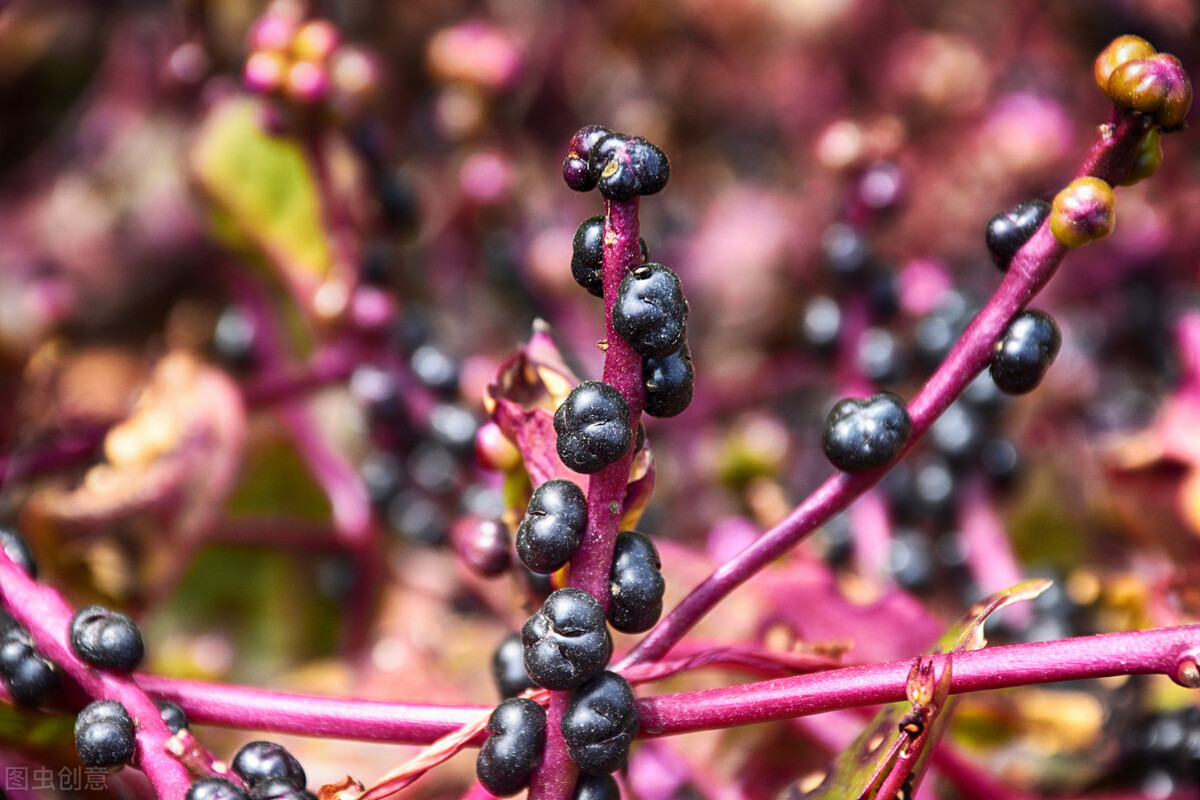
864 767
263 199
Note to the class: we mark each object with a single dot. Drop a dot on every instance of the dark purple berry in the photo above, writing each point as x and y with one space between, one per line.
104 734
599 724
821 324
958 433
508 667
214 789
880 357
172 715
260 761
596 787
651 312
481 544
106 639
29 677
1008 231
279 789
670 382
593 427
624 167
846 252
1025 352
635 584
866 434
17 550
566 641
587 255
575 165
514 748
553 525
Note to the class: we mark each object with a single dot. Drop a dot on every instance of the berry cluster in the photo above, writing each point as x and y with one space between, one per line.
303 66
268 770
29 677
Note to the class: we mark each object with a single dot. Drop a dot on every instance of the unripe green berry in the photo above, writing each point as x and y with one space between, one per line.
1083 212
1148 158
1119 51
1156 86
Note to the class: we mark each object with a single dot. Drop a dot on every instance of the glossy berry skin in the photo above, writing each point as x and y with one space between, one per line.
214 789
651 312
593 427
1157 86
259 762
587 255
1119 51
553 525
18 551
596 787
635 584
575 166
106 639
104 734
670 383
508 667
29 677
566 641
172 715
1008 231
279 789
624 167
1025 352
514 748
866 434
599 724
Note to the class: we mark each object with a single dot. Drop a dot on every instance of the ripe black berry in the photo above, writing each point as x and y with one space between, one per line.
104 734
599 724
566 641
172 715
18 551
1025 352
29 677
821 323
958 433
596 787
514 749
575 166
587 255
623 167
259 762
508 667
635 584
866 434
651 312
670 382
553 525
1008 231
106 639
279 789
214 789
880 357
846 252
593 427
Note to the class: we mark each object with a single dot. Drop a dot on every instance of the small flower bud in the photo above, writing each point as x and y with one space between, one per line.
1083 212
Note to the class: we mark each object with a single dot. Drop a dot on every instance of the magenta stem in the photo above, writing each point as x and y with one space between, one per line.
65 451
308 715
1160 651
1033 265
592 561
47 617
328 366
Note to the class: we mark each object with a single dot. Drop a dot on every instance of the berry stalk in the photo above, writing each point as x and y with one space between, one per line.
592 561
47 617
1110 159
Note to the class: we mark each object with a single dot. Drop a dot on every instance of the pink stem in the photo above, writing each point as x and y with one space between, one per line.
308 715
1031 268
990 556
65 451
1166 651
47 617
554 779
329 365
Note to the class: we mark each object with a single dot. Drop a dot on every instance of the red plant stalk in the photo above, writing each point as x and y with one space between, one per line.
1034 264
592 561
48 618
